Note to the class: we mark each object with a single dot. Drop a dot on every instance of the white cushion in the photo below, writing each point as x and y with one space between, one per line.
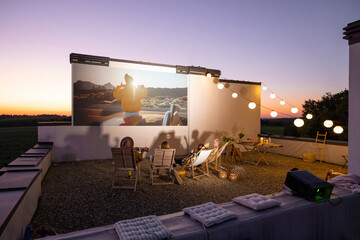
256 201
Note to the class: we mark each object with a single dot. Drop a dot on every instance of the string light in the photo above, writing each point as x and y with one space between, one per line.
264 88
234 95
220 86
309 116
273 113
328 123
294 110
252 105
282 102
208 75
338 130
299 122
272 95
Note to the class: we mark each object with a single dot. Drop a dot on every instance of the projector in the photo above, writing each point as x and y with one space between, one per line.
308 186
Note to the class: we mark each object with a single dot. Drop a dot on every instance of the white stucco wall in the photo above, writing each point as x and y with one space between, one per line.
354 109
295 148
212 113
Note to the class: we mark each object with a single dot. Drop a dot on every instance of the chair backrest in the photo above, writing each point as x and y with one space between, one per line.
164 157
202 156
124 158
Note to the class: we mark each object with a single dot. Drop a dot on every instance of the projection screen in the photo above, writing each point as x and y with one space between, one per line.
128 94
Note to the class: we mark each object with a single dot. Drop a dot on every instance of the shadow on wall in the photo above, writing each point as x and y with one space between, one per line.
174 141
196 139
91 145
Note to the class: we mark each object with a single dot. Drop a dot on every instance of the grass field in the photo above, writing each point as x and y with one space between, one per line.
14 141
277 130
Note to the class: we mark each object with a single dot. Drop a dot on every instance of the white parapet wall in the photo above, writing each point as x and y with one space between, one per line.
295 147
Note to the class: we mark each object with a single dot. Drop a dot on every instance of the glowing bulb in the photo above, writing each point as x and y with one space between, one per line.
282 102
299 122
264 88
220 86
234 95
273 113
294 110
208 75
252 105
272 95
309 116
328 123
338 129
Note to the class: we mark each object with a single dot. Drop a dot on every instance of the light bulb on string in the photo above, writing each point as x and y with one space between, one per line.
282 102
208 75
272 95
309 116
273 113
338 130
252 105
220 86
328 123
234 95
264 88
294 110
299 122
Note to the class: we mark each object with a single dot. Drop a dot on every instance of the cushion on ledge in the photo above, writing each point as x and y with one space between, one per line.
145 228
257 201
209 214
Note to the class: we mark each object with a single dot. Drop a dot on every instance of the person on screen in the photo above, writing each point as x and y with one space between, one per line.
130 96
175 116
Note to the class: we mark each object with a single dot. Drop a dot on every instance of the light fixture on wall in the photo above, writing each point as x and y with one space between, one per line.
338 130
272 95
299 122
220 86
282 102
294 110
328 123
252 105
234 95
273 113
309 116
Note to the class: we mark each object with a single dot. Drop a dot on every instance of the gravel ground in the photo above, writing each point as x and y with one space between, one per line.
77 195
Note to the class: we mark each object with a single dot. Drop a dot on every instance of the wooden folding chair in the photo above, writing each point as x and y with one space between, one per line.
162 164
124 161
200 160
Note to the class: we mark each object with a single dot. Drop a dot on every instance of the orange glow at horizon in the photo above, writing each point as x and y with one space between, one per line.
39 110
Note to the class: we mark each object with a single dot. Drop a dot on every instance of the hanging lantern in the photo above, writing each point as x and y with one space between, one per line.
282 102
338 130
299 122
234 95
222 174
328 123
309 116
252 105
272 95
273 113
220 86
294 110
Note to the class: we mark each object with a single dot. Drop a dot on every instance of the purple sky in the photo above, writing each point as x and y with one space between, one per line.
293 47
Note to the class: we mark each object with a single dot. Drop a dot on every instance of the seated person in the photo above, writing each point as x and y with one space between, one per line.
193 152
128 142
165 145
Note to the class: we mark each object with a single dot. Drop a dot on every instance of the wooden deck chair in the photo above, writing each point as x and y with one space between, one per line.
215 157
201 158
162 164
124 161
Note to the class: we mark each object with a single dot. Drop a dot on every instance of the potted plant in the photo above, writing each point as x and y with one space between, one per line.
241 135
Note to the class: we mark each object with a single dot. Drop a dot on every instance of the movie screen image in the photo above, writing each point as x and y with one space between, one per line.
112 96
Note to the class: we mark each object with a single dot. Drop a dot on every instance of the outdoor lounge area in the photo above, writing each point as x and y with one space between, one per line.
78 195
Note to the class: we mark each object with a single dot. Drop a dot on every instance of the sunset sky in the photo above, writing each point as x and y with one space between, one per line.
293 47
